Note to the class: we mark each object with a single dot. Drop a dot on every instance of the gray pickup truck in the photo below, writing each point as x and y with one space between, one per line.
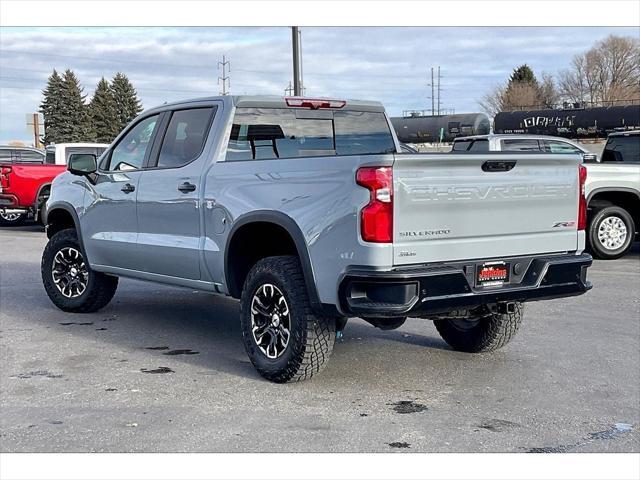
306 211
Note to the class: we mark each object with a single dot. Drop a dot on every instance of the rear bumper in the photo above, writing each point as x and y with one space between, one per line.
432 289
8 200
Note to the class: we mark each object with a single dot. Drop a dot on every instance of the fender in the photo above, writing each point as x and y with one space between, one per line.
291 227
66 206
612 189
42 187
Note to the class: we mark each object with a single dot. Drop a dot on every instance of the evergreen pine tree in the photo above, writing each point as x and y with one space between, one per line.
76 126
523 74
52 108
102 113
126 100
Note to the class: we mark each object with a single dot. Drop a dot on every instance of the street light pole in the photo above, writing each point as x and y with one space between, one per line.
295 39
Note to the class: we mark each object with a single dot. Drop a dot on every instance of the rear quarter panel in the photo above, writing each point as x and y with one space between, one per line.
319 194
611 177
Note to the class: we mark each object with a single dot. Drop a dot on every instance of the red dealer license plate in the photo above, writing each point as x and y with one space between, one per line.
492 273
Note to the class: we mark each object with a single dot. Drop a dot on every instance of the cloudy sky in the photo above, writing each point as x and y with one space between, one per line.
386 64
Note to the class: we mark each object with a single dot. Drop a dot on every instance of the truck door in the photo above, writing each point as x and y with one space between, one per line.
168 203
109 223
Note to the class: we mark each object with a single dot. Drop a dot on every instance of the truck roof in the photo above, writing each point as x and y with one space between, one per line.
511 135
80 144
625 134
274 101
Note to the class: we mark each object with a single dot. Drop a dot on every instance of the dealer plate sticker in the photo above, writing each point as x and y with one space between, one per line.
492 274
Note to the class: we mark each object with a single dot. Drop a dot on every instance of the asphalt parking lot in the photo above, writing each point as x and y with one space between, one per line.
569 382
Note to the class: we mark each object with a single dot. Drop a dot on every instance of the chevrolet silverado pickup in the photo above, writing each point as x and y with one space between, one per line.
613 196
24 189
307 212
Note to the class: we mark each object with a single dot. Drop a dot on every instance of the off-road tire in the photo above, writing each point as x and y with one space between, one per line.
100 287
596 247
312 336
13 223
491 331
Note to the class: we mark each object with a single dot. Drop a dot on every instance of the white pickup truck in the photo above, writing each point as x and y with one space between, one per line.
613 196
612 186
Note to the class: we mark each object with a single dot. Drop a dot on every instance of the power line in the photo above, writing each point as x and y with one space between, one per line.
226 80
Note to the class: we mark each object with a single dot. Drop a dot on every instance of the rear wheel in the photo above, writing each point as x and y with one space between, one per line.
611 233
69 281
11 219
483 331
285 340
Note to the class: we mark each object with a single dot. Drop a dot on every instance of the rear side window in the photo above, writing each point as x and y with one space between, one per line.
622 149
5 154
556 146
31 156
185 137
50 157
522 145
270 133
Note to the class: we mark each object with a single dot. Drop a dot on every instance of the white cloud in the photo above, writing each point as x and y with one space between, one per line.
386 64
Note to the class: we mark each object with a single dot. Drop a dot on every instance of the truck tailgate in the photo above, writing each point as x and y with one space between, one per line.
473 206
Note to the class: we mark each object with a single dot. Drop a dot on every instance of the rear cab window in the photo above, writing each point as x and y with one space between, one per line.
471 145
272 133
624 149
520 145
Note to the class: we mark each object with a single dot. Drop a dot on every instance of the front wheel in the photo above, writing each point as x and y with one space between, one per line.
69 281
611 233
285 340
483 331
11 219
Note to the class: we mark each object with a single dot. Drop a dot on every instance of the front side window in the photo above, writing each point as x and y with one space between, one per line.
185 137
270 133
130 152
522 145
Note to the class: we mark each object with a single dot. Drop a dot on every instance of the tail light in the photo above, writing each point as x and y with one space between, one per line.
582 202
4 176
376 219
314 104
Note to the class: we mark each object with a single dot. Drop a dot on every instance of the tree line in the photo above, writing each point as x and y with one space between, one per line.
68 117
606 74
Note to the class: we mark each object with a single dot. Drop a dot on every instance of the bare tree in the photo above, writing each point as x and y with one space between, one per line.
548 93
609 72
491 102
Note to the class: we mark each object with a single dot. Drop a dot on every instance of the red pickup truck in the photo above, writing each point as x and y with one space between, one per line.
24 189
25 185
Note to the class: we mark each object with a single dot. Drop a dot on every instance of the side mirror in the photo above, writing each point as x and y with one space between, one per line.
82 164
589 158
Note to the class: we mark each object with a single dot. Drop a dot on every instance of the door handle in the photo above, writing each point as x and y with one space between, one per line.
498 166
128 188
187 187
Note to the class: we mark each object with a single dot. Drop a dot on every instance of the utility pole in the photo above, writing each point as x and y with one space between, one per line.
226 82
297 60
432 94
438 89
